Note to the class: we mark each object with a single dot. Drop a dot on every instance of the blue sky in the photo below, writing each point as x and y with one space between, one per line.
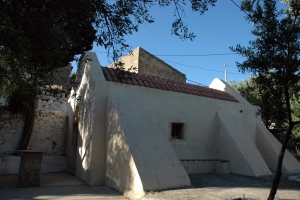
219 28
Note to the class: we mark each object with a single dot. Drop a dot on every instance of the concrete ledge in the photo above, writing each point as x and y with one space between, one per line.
10 164
223 166
196 166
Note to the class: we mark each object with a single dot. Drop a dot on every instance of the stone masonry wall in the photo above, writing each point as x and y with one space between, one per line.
49 129
11 126
52 103
130 61
49 133
148 64
151 65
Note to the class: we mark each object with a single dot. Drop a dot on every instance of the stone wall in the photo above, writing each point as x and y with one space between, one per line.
52 103
151 65
148 64
49 133
49 130
11 126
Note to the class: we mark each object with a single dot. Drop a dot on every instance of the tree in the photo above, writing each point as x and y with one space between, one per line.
116 19
40 36
274 58
37 37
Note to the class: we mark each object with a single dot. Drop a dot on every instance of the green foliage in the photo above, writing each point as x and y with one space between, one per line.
274 57
116 19
37 37
249 89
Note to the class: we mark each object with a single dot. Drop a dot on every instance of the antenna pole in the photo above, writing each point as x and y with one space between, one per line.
225 73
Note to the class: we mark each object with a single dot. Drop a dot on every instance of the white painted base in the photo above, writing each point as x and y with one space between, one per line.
223 167
198 166
206 166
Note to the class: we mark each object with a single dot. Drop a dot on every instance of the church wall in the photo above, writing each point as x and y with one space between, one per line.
197 113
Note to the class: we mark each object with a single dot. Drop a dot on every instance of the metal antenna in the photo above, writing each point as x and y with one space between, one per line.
225 73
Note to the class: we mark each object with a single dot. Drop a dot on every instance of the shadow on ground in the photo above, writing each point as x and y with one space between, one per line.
232 180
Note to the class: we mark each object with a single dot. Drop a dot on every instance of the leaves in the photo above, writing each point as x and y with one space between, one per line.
274 57
37 37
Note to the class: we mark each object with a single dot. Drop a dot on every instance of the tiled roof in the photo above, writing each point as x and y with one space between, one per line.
165 84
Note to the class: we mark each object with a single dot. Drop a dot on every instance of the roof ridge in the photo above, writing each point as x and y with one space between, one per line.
156 82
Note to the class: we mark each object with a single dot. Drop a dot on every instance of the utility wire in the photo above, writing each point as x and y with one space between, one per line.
213 54
231 66
182 55
197 83
198 67
204 68
239 7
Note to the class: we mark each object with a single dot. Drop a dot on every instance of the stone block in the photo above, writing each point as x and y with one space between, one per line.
30 168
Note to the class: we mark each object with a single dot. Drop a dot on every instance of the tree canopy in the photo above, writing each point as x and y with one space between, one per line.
274 57
40 36
249 89
37 37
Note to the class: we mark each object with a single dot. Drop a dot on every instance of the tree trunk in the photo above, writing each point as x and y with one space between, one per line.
284 145
28 127
279 164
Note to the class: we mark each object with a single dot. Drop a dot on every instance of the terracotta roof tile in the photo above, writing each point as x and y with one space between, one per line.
165 84
151 84
157 86
140 83
129 81
168 87
146 84
134 82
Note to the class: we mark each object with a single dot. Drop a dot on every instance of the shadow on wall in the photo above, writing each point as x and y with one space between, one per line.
121 172
90 157
85 134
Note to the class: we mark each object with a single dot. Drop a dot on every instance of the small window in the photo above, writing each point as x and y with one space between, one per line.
177 131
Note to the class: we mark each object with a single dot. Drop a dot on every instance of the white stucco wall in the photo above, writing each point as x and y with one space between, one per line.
270 147
199 114
139 157
91 127
235 145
